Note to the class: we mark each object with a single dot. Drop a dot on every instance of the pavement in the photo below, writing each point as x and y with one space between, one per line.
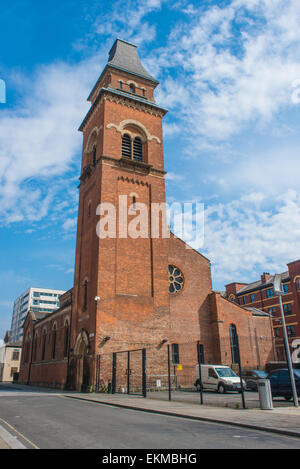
3 445
9 440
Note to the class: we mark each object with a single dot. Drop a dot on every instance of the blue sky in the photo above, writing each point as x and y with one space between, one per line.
229 74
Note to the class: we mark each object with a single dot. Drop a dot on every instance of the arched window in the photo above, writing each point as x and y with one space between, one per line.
132 88
35 340
85 286
44 344
137 149
298 284
66 344
126 146
27 345
54 341
234 343
94 156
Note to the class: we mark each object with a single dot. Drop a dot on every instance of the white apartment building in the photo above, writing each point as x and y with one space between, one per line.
37 299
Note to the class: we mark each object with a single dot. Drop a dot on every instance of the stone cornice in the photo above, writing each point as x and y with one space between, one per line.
125 73
124 99
122 163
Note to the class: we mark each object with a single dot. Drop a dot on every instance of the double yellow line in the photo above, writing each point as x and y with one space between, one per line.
20 434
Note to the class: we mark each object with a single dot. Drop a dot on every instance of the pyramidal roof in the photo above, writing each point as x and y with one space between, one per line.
124 56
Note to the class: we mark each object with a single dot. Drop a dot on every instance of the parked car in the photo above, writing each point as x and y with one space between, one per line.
218 378
251 378
281 384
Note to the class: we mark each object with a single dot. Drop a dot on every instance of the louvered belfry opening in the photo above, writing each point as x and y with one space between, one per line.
126 146
137 149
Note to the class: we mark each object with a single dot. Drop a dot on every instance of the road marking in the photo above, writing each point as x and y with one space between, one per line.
10 440
13 440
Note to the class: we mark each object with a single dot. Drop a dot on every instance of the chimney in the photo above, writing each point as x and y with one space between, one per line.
265 277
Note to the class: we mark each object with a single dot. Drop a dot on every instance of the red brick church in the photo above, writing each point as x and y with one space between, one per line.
133 293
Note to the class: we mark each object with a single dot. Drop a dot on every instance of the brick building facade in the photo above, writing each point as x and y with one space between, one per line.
260 294
131 293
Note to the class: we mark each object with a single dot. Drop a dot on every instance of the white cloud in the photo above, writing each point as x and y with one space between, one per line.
70 224
223 69
174 177
250 235
39 138
127 20
236 65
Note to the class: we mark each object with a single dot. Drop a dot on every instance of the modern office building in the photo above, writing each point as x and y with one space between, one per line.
37 299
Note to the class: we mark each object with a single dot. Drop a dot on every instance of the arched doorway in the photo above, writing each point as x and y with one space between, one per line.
82 373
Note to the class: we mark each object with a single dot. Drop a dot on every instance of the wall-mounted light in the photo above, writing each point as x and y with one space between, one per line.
103 342
164 341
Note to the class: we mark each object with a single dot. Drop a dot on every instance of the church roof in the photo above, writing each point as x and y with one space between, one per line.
124 56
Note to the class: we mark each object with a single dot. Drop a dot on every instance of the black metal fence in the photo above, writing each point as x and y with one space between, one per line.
171 372
177 372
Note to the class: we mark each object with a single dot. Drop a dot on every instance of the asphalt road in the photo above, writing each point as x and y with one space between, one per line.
51 421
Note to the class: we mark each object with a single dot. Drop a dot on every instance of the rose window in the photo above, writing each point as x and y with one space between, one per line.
176 279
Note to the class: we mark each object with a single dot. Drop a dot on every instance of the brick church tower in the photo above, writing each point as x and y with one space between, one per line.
135 289
121 286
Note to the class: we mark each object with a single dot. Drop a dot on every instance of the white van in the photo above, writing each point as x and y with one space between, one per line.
218 378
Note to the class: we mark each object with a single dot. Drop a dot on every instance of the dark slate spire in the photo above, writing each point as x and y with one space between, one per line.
124 56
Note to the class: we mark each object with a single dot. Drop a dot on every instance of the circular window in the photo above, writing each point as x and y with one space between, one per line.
176 279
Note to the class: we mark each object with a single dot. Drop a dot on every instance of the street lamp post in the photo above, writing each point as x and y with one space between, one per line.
279 292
